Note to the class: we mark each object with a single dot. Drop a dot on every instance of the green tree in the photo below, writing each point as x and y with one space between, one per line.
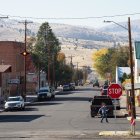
45 50
106 62
47 46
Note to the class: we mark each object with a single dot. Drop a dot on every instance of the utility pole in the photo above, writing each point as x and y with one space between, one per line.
25 53
132 93
133 110
71 64
77 74
53 70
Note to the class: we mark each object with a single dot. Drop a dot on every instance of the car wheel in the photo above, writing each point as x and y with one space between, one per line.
39 99
23 108
6 110
53 96
92 114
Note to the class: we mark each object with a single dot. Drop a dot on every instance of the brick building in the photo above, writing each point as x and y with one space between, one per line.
10 54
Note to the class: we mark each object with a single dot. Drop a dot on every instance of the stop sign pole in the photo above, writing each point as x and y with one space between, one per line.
114 91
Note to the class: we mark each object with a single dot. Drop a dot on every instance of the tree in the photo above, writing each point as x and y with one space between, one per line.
46 49
105 61
47 45
61 57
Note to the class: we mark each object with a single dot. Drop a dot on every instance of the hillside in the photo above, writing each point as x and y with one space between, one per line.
78 41
117 30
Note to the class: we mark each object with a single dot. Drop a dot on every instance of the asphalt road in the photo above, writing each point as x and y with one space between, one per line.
65 117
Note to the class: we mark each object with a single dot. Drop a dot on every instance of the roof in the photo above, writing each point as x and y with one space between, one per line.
5 68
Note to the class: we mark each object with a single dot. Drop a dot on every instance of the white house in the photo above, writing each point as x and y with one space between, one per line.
137 61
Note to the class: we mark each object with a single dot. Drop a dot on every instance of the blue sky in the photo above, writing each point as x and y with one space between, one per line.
72 9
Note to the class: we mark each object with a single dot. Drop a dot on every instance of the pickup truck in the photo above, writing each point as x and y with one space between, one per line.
46 93
96 104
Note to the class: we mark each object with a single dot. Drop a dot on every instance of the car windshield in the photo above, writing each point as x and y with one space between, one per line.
14 99
43 90
66 86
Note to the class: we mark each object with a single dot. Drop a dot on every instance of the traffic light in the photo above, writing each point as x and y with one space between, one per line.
25 53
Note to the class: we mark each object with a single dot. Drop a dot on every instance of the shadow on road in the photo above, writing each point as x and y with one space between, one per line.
72 99
19 118
65 93
43 103
30 109
89 89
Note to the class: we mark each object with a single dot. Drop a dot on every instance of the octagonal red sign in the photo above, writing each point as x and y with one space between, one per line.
114 91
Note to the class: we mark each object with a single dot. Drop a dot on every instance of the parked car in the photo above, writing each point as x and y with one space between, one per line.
72 86
96 83
96 104
104 90
44 93
16 102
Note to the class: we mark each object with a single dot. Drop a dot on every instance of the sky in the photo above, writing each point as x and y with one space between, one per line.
72 9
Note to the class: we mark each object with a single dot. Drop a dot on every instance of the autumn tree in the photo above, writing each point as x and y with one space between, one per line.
106 60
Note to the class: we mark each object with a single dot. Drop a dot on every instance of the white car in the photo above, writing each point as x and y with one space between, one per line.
44 93
15 102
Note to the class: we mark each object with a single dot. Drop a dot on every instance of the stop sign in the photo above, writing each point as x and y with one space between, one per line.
114 91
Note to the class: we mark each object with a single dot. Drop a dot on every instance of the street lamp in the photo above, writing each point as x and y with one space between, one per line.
133 110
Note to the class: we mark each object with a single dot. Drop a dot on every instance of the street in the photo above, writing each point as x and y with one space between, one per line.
65 117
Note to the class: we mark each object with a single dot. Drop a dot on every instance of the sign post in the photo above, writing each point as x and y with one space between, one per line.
114 91
132 122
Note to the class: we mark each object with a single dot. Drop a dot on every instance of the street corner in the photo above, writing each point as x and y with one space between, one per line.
114 133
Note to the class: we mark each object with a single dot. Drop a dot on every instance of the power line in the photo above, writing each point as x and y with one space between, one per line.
73 18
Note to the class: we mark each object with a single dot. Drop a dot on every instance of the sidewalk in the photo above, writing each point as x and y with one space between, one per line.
125 113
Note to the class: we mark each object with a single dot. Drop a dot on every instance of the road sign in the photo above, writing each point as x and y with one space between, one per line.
114 91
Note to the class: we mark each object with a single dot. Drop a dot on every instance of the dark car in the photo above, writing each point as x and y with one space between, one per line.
72 86
66 87
104 90
96 83
96 104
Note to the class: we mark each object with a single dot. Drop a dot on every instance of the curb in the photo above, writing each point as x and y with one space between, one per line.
137 118
118 133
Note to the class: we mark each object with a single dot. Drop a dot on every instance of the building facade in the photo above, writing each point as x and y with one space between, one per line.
12 82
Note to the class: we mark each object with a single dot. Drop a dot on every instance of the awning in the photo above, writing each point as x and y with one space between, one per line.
5 68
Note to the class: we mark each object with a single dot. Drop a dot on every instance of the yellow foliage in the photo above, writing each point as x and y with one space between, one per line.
99 53
126 82
61 56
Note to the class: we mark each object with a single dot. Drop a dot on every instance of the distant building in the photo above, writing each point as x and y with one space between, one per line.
12 78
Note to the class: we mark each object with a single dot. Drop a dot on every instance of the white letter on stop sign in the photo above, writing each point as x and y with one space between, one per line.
114 91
